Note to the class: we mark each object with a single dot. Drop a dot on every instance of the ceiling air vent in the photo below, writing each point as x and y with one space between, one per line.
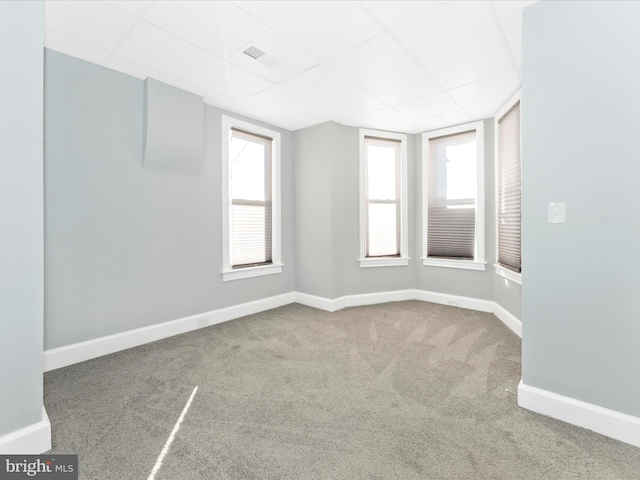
254 52
261 56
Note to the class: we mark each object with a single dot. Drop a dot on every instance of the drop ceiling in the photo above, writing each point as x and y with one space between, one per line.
406 66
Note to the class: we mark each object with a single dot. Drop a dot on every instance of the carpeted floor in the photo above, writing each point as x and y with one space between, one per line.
393 391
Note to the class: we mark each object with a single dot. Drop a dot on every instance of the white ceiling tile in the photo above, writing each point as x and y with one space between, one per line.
333 91
96 23
224 29
264 116
384 68
436 111
510 16
134 7
393 13
484 98
322 28
457 44
138 70
76 48
386 119
468 47
156 48
284 103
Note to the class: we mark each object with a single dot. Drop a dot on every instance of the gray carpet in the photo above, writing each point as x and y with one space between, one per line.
401 390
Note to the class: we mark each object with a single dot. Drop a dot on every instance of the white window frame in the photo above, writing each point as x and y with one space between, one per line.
228 272
478 263
403 259
499 269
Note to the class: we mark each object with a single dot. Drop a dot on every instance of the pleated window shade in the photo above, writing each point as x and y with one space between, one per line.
250 179
383 197
509 190
452 191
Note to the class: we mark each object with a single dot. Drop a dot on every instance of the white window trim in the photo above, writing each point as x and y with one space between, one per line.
451 263
384 262
478 263
508 274
499 269
403 259
228 272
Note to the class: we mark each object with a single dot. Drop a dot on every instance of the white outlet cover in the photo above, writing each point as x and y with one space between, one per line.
557 212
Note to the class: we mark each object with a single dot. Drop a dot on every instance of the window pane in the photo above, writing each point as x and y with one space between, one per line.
452 191
250 183
247 169
461 171
509 190
382 221
250 227
381 173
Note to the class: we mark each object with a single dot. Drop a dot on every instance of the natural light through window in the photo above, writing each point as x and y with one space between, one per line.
250 182
383 169
382 196
250 200
453 197
461 173
247 169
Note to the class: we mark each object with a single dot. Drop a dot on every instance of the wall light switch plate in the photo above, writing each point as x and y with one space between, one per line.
556 212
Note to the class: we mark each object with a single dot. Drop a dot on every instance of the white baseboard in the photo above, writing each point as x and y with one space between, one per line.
620 426
320 303
508 319
333 305
456 301
375 298
79 352
32 440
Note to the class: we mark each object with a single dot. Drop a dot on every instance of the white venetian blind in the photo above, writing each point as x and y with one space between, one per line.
250 179
382 196
452 190
509 190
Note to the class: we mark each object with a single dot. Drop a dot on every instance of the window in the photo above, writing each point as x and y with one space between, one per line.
453 197
383 199
509 191
250 200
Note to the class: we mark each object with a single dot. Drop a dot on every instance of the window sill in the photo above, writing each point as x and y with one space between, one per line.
508 274
248 272
448 263
384 262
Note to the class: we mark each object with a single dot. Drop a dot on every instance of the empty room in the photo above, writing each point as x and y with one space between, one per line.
319 239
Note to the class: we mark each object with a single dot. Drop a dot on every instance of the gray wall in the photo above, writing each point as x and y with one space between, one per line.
359 280
580 141
468 283
327 224
314 211
327 217
21 214
128 246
